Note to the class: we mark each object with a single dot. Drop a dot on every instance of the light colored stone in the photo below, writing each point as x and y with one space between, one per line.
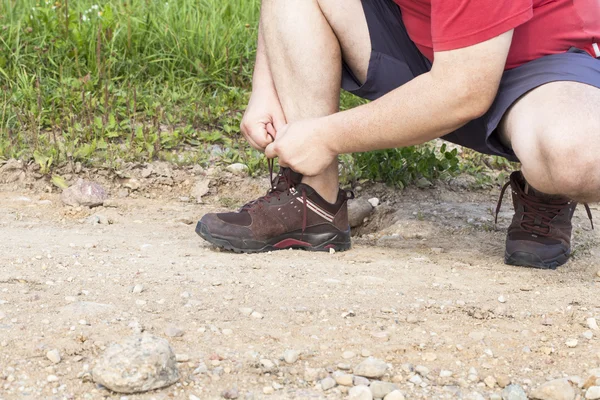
238 169
359 380
52 378
371 368
430 357
54 356
374 201
558 389
182 357
267 364
514 392
173 331
344 379
139 288
571 343
268 390
395 395
502 380
348 355
84 193
137 364
380 389
327 383
291 356
589 335
256 315
445 373
477 335
245 311
592 324
360 392
314 374
593 393
490 381
502 299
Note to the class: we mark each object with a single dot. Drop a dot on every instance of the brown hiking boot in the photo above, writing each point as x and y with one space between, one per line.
290 215
540 233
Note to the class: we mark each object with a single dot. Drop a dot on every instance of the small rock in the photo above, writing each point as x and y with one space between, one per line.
268 390
360 392
54 356
416 379
429 357
502 299
139 288
371 368
571 343
589 335
395 395
182 357
514 392
358 210
366 353
245 311
256 315
502 380
445 373
314 374
291 356
173 331
477 335
348 355
52 378
381 389
422 370
475 396
592 324
490 381
344 379
227 332
238 169
137 364
230 394
344 366
558 389
374 201
328 383
593 393
495 396
84 193
359 380
267 364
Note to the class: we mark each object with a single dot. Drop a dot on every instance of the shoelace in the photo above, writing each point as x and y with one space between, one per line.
538 215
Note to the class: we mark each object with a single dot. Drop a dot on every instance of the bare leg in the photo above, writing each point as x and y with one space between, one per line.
305 40
555 132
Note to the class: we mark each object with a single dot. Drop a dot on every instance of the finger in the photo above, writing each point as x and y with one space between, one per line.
270 151
279 122
254 144
271 132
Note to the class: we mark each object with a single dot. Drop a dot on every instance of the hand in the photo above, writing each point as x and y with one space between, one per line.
303 146
262 119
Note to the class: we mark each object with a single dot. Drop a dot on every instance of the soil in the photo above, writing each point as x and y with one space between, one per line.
424 285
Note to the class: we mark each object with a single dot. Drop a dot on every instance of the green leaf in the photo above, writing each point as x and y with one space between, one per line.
59 182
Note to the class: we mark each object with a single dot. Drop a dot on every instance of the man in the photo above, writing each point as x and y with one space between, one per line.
519 79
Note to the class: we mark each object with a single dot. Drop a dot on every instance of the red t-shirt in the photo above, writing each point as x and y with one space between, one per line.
541 27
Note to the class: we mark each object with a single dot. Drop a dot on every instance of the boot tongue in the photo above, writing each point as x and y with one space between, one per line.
286 178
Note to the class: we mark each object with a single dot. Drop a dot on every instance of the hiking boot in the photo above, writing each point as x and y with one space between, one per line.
290 215
540 233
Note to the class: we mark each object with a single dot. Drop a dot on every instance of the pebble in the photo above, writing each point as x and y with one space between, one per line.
182 357
227 332
344 366
54 356
571 343
238 169
267 364
371 368
138 288
374 201
514 392
416 379
193 397
245 311
313 374
445 373
268 390
230 394
380 389
495 396
592 324
502 380
348 355
490 381
52 378
359 380
475 396
395 395
140 302
589 335
366 353
291 356
360 392
256 315
344 379
558 389
593 393
173 331
185 295
422 370
137 364
502 299
429 357
477 335
328 383
381 336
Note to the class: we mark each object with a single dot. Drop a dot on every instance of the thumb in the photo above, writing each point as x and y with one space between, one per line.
270 151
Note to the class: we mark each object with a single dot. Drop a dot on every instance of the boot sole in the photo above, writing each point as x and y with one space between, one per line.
338 241
522 259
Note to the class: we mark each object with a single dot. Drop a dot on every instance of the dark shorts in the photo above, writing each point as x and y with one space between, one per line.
395 60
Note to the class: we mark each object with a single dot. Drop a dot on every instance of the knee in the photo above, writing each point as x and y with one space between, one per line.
567 167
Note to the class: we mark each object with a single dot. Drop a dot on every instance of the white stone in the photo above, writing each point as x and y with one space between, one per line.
360 392
371 368
54 356
593 393
291 356
592 324
374 201
395 395
572 343
558 389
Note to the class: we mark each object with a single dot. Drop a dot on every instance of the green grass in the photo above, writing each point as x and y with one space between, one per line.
107 82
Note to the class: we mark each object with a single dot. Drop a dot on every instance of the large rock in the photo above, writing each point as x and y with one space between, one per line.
12 171
558 389
84 193
371 368
137 364
358 210
593 393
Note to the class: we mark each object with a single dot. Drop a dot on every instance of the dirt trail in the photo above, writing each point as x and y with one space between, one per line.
428 289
